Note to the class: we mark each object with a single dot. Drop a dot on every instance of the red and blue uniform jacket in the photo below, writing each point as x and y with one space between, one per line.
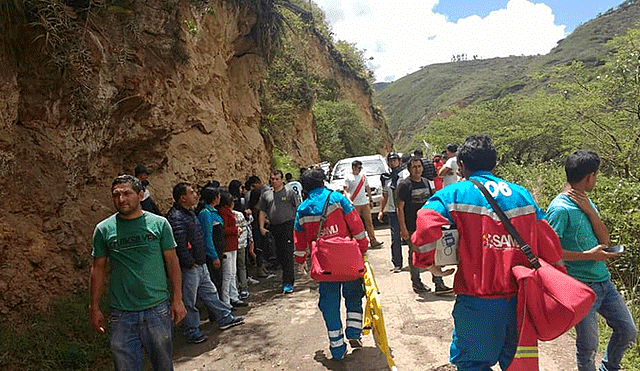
486 251
342 221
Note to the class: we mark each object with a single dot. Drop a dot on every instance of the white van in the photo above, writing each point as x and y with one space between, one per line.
372 166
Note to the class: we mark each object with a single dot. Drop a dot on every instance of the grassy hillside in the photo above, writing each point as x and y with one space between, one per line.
412 101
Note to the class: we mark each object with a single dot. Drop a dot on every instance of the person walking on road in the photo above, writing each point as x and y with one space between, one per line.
342 220
484 314
585 240
139 246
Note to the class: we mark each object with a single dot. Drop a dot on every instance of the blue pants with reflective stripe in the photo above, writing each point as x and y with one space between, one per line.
485 333
329 304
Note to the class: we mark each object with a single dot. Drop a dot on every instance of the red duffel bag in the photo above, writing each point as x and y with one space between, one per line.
554 300
336 259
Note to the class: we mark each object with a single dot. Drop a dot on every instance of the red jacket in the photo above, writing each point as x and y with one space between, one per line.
230 229
486 250
342 220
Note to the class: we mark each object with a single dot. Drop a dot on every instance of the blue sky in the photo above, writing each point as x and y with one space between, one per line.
568 12
400 37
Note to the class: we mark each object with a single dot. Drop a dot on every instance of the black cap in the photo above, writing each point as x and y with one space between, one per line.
141 169
393 155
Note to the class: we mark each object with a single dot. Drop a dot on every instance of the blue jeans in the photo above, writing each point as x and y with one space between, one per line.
196 283
484 333
151 329
612 307
329 304
396 242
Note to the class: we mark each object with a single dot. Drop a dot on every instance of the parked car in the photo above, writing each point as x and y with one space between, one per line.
372 166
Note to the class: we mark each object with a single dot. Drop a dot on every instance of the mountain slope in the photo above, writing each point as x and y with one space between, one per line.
411 101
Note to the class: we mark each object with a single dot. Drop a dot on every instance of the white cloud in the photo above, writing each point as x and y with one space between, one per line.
403 36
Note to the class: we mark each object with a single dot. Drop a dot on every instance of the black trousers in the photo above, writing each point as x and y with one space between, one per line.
283 236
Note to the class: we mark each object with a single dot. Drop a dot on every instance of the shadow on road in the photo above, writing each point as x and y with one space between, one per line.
367 358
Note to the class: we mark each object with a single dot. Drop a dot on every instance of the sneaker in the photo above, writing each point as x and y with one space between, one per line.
234 322
420 288
338 353
244 294
238 303
377 245
287 289
442 289
252 281
197 338
355 343
396 269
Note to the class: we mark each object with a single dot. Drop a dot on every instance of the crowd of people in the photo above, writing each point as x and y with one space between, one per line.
213 247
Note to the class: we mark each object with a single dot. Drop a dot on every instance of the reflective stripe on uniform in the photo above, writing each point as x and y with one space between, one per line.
354 315
481 210
354 323
526 352
359 236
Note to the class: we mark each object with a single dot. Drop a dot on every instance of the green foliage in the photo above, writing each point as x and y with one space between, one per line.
526 130
61 339
283 162
605 104
341 132
353 59
192 27
543 180
618 202
414 100
293 86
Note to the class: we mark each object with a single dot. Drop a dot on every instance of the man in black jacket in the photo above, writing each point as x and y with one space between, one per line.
147 203
196 281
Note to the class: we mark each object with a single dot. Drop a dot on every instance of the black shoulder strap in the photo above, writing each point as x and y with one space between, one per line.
323 216
426 182
526 249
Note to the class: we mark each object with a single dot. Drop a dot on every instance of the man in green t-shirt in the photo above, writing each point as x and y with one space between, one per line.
138 246
585 240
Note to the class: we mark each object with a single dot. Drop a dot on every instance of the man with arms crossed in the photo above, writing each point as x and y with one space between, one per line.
388 205
139 245
484 314
449 171
584 239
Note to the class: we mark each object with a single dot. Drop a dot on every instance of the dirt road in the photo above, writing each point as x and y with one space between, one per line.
288 333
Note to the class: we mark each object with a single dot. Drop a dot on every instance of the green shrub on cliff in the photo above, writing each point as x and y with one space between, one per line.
341 132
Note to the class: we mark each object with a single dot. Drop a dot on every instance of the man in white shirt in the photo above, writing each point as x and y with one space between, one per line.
449 172
358 191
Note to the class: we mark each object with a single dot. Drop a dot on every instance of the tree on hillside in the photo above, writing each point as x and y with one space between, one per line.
605 103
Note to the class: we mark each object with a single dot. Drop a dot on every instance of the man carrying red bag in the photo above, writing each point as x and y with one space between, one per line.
485 323
342 220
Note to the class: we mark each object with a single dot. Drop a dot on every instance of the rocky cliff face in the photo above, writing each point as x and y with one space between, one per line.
169 84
